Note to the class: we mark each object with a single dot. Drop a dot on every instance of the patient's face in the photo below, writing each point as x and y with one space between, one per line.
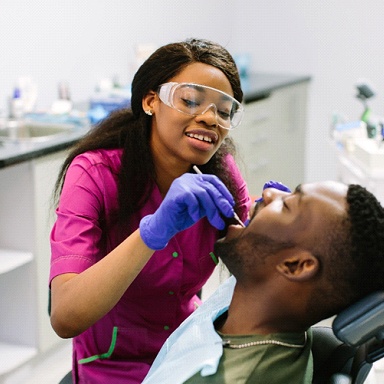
284 220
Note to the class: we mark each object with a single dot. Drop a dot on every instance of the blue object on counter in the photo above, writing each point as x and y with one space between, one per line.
97 114
341 127
243 63
57 119
100 107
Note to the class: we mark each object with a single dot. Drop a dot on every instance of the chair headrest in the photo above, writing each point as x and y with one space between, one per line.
361 321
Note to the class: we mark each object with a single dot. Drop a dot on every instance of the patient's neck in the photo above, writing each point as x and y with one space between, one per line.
260 314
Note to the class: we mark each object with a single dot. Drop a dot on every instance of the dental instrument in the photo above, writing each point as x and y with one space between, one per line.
235 216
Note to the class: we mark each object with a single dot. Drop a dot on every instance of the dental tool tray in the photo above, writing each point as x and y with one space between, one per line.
370 153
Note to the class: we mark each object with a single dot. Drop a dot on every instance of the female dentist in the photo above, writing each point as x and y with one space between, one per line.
133 240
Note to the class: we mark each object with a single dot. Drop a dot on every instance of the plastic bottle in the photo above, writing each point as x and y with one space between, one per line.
16 105
63 105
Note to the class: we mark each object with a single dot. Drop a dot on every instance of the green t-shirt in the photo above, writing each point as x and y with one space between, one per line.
269 363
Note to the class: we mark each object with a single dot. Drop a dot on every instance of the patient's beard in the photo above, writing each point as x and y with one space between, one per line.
242 255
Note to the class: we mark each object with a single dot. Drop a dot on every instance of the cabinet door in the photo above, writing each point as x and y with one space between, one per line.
18 324
25 224
253 139
271 139
45 172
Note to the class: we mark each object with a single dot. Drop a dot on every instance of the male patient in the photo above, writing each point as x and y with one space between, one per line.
303 257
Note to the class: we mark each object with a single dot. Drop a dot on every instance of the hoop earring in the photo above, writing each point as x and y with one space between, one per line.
148 112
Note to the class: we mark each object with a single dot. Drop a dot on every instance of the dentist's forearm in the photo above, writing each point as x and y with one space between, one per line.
79 300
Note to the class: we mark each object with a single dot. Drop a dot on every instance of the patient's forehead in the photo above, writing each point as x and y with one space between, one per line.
329 186
323 203
332 192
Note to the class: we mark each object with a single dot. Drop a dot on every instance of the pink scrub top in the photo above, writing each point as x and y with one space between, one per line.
122 345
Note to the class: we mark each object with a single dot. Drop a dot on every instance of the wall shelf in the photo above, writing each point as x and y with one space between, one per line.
13 356
26 220
11 259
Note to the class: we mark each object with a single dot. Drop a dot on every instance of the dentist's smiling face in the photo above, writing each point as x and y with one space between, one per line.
188 139
284 220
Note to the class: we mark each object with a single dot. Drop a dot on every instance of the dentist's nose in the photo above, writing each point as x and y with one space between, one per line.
209 115
211 107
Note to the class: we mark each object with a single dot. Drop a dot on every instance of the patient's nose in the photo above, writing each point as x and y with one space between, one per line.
270 194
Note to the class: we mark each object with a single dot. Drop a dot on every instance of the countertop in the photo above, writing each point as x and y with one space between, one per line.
255 87
260 85
19 151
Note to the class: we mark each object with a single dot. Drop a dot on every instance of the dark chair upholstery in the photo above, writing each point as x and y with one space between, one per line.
345 353
330 355
67 379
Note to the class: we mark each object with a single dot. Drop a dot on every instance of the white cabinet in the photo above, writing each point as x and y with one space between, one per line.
17 334
271 138
26 218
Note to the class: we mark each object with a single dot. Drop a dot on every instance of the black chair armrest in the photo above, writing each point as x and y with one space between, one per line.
361 321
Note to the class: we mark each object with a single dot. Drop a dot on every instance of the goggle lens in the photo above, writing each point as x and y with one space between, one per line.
196 99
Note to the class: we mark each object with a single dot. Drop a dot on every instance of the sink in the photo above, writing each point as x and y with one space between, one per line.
30 131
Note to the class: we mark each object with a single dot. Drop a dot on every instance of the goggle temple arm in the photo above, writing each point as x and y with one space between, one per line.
165 93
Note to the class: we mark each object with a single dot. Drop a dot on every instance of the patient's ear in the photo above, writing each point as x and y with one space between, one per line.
300 265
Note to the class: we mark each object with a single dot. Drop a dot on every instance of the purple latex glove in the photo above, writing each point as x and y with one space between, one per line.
190 198
276 185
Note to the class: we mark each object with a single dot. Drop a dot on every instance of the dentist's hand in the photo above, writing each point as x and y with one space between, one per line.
276 185
190 198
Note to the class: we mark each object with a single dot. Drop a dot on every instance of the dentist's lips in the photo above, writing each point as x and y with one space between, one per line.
203 135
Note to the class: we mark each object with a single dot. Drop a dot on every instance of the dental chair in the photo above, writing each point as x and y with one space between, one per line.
344 354
67 379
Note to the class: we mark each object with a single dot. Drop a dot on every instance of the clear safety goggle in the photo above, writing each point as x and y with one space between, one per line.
196 99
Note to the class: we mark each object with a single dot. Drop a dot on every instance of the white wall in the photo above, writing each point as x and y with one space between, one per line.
82 41
335 41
